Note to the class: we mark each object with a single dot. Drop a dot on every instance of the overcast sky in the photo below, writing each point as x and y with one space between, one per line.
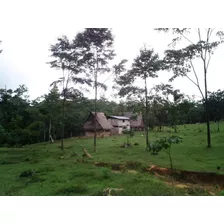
28 28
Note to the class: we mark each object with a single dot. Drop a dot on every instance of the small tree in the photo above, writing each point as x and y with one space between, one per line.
129 134
165 144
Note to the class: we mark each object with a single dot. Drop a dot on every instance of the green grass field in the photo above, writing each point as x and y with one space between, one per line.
50 172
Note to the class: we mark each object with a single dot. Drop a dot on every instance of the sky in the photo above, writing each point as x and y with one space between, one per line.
28 28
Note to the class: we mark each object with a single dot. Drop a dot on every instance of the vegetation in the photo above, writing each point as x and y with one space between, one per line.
97 47
144 66
129 134
164 144
181 60
68 59
43 150
46 171
26 122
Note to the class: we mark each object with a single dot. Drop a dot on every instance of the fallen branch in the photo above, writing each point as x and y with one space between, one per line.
85 153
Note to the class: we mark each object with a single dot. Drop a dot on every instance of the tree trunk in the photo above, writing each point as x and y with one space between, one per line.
62 127
218 126
207 108
85 153
51 140
44 134
171 165
95 120
188 118
146 114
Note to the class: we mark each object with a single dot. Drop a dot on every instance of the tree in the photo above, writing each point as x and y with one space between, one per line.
52 106
159 108
69 59
14 116
163 94
181 60
97 48
216 105
165 144
185 108
144 66
129 134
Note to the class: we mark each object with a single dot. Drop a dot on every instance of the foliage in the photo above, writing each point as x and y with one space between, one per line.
69 59
145 65
180 61
52 181
96 46
129 134
216 105
163 144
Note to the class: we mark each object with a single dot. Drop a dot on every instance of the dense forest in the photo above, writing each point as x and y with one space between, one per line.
23 121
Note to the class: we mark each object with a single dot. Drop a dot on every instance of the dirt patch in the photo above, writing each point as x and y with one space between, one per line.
182 178
190 176
113 166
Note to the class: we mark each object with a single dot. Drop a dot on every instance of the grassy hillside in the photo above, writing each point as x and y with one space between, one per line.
42 169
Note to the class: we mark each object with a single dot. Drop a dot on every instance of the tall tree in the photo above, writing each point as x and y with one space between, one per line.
69 60
97 48
52 106
181 60
144 66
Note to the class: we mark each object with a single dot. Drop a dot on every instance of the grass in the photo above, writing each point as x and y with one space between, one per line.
47 171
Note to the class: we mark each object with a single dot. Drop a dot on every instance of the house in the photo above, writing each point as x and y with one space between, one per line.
119 124
136 121
103 127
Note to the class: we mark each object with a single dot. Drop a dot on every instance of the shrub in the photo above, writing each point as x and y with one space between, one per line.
27 173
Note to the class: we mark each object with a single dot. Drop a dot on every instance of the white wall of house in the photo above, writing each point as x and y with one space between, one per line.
124 124
117 131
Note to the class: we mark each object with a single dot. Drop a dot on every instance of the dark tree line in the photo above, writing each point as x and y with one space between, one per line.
25 122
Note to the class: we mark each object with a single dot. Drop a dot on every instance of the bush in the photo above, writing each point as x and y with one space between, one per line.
105 173
27 173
